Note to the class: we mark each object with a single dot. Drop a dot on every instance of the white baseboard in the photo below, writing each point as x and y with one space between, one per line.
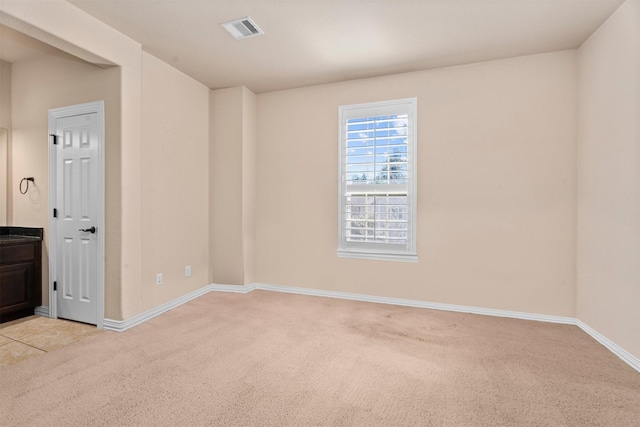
123 325
41 310
623 354
417 303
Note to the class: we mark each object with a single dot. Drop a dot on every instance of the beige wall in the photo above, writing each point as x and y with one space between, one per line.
5 135
232 174
608 253
42 84
496 187
175 182
4 174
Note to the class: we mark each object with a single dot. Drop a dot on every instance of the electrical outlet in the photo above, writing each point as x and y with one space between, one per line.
159 279
187 271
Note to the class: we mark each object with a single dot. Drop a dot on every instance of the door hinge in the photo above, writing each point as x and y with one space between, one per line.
55 213
55 139
55 286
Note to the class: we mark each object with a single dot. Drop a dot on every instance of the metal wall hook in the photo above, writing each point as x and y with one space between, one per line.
26 179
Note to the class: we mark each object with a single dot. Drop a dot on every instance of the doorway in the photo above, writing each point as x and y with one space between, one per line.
76 199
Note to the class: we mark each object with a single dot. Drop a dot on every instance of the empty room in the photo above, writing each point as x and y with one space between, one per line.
320 213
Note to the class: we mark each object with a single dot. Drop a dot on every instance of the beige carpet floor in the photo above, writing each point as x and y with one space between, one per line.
269 358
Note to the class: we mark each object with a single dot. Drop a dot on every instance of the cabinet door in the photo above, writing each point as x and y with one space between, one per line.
16 287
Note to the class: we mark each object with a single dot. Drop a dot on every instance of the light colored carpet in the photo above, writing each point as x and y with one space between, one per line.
268 358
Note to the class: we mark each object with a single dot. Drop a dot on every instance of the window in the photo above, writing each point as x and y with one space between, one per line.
378 180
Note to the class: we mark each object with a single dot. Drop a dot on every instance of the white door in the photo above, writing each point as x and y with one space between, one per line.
76 151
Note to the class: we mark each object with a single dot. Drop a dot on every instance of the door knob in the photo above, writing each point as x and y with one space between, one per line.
88 230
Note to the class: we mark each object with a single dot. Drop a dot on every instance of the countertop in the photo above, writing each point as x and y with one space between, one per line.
14 235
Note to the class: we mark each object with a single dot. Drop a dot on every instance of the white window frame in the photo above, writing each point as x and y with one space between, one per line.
379 251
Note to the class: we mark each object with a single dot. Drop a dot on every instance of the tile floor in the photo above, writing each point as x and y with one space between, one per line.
34 335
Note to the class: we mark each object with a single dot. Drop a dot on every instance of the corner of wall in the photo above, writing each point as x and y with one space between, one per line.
608 163
249 165
226 184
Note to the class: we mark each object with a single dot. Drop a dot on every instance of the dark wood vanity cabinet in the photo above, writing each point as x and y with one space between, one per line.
20 277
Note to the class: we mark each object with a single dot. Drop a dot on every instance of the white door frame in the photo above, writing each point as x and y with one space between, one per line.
54 114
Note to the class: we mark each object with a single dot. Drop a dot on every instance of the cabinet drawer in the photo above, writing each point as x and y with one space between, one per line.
17 253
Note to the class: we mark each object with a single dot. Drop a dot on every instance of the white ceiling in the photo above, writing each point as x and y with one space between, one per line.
310 42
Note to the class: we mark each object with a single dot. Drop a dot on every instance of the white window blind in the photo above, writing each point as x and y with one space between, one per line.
377 180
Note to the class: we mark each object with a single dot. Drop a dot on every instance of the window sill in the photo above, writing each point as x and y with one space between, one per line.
377 256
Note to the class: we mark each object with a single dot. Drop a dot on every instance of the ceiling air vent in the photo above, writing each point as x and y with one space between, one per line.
242 28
